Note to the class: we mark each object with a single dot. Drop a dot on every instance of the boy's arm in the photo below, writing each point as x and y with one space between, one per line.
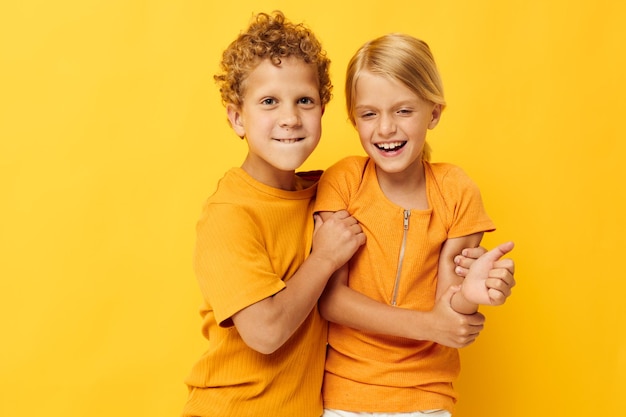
266 325
341 304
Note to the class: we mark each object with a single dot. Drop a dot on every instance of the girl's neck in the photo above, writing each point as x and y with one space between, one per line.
406 189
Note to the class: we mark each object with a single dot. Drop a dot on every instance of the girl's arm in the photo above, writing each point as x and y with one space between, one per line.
341 304
446 275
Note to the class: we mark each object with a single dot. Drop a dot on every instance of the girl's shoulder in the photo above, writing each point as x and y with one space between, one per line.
446 172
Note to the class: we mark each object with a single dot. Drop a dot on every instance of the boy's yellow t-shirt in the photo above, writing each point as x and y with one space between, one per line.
251 238
376 373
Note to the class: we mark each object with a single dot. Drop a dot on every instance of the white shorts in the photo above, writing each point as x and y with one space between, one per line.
427 413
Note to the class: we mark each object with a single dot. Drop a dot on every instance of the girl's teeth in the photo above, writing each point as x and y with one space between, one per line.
389 146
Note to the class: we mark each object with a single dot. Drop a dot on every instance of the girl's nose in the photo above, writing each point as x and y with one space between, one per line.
386 126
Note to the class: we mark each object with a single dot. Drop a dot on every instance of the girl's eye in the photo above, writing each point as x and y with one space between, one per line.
405 111
306 100
268 101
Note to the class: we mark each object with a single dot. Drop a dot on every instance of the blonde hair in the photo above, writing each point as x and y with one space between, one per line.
270 37
400 57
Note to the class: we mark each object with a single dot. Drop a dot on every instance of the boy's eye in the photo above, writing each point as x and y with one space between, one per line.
405 111
367 114
306 100
268 101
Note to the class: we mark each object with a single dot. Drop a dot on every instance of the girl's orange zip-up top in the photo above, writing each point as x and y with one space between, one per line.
398 266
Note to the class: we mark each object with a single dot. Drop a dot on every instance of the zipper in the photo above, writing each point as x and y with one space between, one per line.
394 296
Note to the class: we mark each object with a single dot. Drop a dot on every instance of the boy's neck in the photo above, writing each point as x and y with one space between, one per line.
284 180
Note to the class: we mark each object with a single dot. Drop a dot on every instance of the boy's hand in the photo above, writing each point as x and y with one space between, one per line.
489 280
337 238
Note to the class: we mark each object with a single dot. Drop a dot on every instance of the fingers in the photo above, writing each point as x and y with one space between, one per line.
499 251
342 214
506 263
337 236
501 274
471 255
352 225
317 222
454 329
474 325
499 284
474 253
476 319
496 297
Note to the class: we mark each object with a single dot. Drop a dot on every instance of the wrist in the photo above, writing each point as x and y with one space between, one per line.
459 303
323 263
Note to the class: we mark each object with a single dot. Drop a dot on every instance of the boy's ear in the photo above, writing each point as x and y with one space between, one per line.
236 119
435 116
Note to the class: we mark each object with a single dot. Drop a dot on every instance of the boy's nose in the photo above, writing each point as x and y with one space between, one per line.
289 118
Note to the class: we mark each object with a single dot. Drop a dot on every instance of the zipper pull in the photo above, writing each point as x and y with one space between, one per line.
407 214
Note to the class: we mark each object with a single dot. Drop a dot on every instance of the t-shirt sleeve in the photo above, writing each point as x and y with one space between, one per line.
231 263
466 211
337 185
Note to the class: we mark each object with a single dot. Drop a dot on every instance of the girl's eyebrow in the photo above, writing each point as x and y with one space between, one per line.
402 103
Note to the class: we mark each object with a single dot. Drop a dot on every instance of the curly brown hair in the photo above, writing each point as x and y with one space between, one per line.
273 37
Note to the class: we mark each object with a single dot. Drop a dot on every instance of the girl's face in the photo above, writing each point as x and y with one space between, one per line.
392 122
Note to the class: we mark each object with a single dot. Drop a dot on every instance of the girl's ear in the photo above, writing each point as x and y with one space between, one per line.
435 116
236 120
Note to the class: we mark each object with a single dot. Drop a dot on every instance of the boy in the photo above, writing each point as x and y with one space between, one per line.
260 260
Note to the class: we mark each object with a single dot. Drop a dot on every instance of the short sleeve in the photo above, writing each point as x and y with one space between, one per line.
465 209
339 183
231 263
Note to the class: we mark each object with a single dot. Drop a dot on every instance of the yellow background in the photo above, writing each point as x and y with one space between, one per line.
112 134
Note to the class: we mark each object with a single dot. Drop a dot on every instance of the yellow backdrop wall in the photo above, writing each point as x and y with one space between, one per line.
112 134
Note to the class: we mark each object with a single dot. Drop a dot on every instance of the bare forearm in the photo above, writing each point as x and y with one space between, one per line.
441 325
350 308
266 325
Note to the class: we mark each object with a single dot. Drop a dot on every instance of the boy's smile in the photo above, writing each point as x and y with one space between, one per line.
280 118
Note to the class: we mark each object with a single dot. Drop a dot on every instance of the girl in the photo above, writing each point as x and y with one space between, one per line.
395 307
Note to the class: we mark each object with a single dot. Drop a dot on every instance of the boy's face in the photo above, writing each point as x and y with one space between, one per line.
281 118
392 122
